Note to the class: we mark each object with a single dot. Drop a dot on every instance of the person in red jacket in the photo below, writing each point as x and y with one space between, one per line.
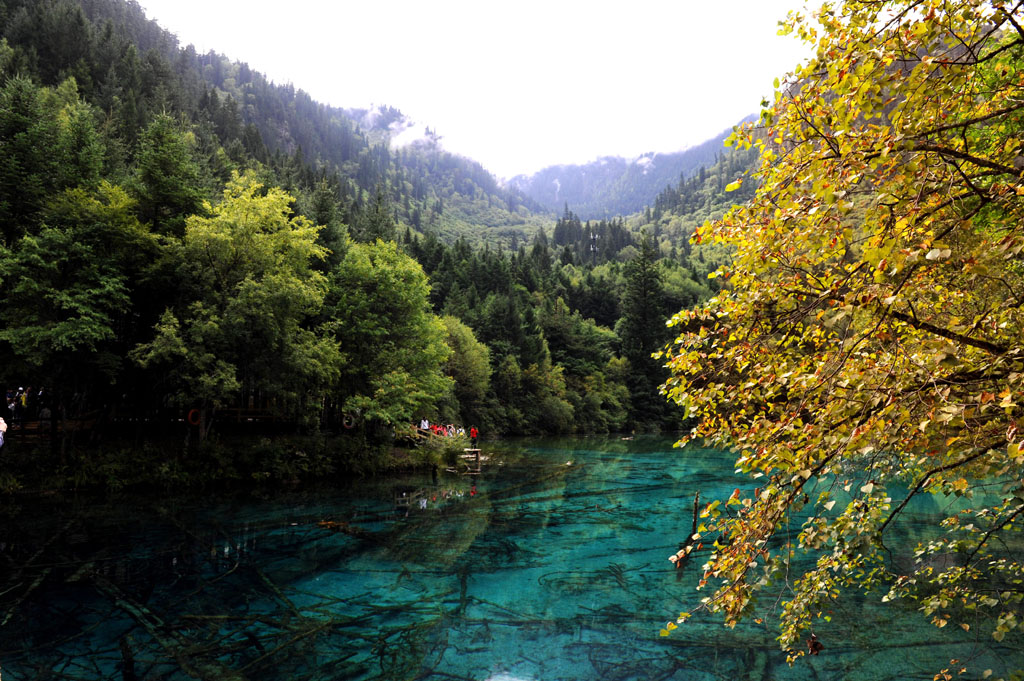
472 435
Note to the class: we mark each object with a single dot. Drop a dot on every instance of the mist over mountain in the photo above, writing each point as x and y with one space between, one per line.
613 185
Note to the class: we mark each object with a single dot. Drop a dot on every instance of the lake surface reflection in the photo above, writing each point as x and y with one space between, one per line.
550 564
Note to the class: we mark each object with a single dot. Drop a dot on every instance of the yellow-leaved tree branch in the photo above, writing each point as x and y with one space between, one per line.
869 343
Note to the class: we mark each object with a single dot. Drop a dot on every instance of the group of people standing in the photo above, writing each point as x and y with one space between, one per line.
28 404
24 404
449 431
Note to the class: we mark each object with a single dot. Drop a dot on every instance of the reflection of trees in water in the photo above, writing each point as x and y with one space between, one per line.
638 582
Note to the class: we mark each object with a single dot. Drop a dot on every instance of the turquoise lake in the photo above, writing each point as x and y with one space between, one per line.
550 564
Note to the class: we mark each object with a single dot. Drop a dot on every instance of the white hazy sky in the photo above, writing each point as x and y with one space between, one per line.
515 85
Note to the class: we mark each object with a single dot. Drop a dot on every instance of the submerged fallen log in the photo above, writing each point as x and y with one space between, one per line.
344 528
24 595
177 648
16 575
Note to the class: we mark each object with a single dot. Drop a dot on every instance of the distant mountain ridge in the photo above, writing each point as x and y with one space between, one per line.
612 185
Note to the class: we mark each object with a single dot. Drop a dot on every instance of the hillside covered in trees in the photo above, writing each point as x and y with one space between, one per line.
613 186
131 69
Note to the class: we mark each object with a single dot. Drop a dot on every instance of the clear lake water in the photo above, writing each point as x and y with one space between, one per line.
551 564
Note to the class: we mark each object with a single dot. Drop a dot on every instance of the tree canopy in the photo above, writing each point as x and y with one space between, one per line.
867 347
393 346
249 293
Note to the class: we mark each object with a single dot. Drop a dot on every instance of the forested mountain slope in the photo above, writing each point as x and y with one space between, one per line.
612 186
130 69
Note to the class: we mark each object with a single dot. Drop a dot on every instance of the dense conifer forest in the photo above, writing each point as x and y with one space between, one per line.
180 236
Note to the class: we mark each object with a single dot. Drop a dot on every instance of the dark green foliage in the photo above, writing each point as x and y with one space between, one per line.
376 221
30 158
642 332
166 181
323 207
590 243
556 363
69 314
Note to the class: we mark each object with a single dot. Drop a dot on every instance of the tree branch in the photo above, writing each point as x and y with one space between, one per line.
1013 22
983 162
972 121
995 529
927 476
985 345
947 334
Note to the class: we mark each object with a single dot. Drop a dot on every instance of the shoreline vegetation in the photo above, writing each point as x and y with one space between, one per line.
232 460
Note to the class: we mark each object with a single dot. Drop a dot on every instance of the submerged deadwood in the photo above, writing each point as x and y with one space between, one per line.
870 340
682 556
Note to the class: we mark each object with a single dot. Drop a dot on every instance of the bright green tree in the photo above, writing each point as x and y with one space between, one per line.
394 346
244 327
470 369
869 344
67 290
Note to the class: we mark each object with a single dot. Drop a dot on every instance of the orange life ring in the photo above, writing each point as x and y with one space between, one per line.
194 417
348 421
